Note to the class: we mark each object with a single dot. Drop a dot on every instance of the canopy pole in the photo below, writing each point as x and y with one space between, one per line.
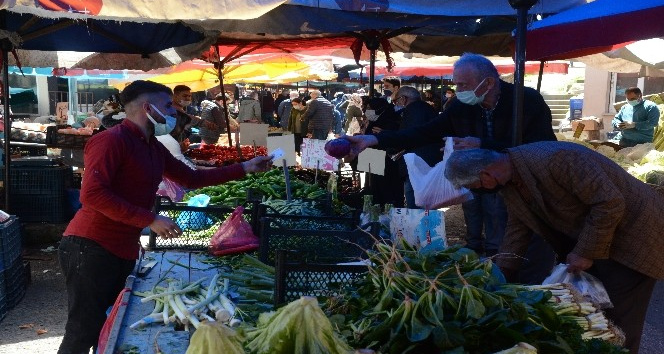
522 7
372 72
6 47
220 75
539 76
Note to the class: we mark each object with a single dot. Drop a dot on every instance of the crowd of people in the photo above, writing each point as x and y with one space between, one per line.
557 201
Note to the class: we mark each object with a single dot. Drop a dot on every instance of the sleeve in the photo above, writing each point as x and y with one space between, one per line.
179 172
617 119
312 105
104 156
593 187
257 110
280 110
430 132
218 117
652 118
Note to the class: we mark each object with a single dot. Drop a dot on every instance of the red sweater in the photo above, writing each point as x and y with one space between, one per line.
123 170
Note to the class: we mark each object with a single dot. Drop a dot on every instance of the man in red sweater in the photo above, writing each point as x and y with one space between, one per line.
124 166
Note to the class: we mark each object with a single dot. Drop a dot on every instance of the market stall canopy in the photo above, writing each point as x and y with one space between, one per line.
259 68
417 27
595 27
644 57
144 10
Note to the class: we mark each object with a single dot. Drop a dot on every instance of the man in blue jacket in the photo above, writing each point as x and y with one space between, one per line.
636 120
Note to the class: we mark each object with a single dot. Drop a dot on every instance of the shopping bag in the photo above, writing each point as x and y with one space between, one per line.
354 127
424 229
168 188
432 190
195 220
234 236
587 284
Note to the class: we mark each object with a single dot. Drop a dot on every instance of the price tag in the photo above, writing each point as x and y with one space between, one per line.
579 130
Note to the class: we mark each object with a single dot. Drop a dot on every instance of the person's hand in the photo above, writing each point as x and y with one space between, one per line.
626 125
358 143
468 142
258 164
376 130
165 227
184 145
310 135
576 263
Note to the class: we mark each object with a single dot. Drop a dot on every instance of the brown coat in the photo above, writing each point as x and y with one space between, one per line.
582 202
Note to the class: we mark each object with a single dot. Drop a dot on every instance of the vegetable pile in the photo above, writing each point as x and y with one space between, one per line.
450 301
270 184
218 155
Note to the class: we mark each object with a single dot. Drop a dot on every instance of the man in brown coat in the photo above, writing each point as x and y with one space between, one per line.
594 214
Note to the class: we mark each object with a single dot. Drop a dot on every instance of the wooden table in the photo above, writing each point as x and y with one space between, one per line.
147 339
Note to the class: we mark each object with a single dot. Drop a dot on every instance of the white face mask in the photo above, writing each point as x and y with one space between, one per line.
448 95
162 128
469 97
371 115
184 103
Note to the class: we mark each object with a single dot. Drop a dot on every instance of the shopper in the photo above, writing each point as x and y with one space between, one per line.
124 166
597 217
319 115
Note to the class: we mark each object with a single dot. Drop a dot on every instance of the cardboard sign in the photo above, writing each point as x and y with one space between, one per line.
287 144
61 110
253 134
372 160
314 156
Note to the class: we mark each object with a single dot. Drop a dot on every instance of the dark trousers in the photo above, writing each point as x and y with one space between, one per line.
630 293
488 212
94 278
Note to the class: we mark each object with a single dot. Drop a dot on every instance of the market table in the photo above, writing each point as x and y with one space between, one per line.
131 309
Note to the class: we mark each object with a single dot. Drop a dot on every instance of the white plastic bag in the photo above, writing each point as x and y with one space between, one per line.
587 284
432 190
354 127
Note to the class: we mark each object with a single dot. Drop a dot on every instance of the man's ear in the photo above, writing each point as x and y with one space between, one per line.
487 179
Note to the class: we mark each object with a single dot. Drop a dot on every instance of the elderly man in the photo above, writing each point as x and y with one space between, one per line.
126 163
320 115
416 112
637 119
481 116
587 207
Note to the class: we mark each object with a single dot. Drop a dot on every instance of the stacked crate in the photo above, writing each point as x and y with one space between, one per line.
39 193
12 276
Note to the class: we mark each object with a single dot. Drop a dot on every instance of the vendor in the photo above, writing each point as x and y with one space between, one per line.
636 120
124 166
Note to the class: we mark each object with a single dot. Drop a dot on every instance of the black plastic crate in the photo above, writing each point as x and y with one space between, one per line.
296 279
41 208
10 242
27 149
40 180
15 283
197 223
344 242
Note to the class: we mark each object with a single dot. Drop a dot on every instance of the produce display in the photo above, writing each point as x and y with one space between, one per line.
29 132
218 155
270 184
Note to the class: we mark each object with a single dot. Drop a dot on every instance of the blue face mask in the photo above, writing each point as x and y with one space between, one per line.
162 128
634 102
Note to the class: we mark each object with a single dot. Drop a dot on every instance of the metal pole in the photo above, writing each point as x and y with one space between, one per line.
522 7
539 77
220 75
6 47
372 72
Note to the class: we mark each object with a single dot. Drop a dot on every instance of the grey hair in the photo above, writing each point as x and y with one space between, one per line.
482 66
315 92
294 94
410 92
464 166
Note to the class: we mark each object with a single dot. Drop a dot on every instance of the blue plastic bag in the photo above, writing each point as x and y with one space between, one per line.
195 220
